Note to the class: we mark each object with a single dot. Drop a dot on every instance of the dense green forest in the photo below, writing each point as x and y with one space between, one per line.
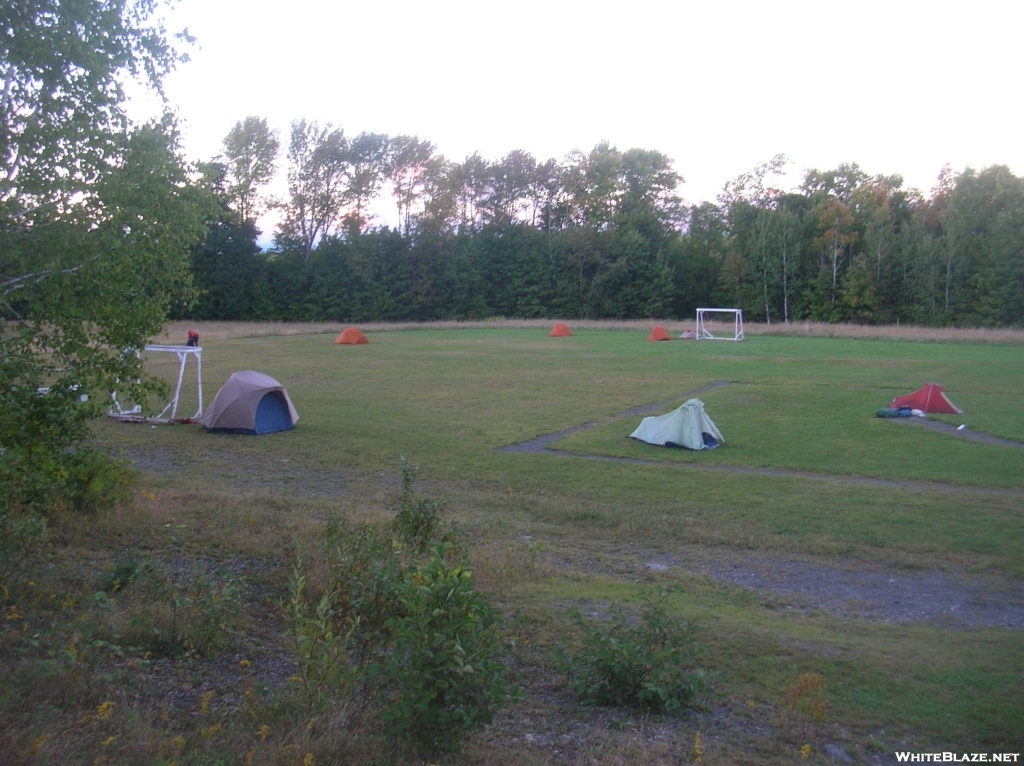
602 234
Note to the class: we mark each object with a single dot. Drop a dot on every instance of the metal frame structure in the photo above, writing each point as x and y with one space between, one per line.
183 353
703 333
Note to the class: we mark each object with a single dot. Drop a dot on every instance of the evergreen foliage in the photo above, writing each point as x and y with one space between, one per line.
605 235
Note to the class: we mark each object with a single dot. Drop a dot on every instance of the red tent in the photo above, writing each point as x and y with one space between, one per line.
560 330
659 333
351 337
929 398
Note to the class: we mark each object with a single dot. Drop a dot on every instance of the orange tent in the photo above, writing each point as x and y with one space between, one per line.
560 330
659 333
351 337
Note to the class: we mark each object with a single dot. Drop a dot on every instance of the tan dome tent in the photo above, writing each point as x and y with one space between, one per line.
687 426
351 337
250 403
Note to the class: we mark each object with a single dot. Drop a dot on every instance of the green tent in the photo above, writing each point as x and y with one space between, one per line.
683 427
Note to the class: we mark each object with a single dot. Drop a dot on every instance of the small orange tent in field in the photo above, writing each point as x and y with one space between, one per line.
560 330
928 398
659 333
351 337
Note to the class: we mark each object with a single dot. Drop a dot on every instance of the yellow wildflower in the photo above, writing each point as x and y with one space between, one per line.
805 751
204 708
104 711
106 742
12 613
308 760
249 756
698 751
178 742
244 664
38 743
264 731
211 731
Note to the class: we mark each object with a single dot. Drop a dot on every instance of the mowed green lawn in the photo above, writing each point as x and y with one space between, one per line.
449 400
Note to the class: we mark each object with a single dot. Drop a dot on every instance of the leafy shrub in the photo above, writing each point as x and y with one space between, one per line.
441 680
320 650
126 571
97 482
189 614
645 663
21 536
366 575
418 522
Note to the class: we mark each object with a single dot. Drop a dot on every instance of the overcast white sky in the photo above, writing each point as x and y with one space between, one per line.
898 87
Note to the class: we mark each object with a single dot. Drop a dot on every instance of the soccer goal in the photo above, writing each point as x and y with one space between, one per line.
134 413
719 317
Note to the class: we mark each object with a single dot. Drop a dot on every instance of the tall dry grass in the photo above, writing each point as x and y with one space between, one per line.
176 332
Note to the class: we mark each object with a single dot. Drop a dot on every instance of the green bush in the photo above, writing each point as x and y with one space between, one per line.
185 614
126 571
418 522
441 680
321 652
21 536
645 662
365 572
97 482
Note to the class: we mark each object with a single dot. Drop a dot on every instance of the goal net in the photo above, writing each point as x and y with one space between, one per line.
160 361
728 323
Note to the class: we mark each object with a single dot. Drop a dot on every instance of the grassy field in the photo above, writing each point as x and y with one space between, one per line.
548 531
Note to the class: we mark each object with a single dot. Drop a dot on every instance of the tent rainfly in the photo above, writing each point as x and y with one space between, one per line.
250 403
928 398
686 426
351 337
560 330
659 333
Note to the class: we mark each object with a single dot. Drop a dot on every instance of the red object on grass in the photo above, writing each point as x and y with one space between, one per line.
928 398
560 330
659 333
351 337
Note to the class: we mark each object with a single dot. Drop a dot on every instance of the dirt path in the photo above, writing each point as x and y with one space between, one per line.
965 433
541 446
873 595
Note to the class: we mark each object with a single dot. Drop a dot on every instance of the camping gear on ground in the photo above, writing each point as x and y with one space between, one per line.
688 335
193 338
899 412
250 403
686 426
560 330
659 333
928 398
351 337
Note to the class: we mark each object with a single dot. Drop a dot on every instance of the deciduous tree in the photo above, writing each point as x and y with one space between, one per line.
251 149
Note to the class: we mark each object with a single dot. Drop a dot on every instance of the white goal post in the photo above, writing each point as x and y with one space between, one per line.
703 333
183 353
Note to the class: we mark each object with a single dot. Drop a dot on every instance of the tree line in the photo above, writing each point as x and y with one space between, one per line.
599 234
